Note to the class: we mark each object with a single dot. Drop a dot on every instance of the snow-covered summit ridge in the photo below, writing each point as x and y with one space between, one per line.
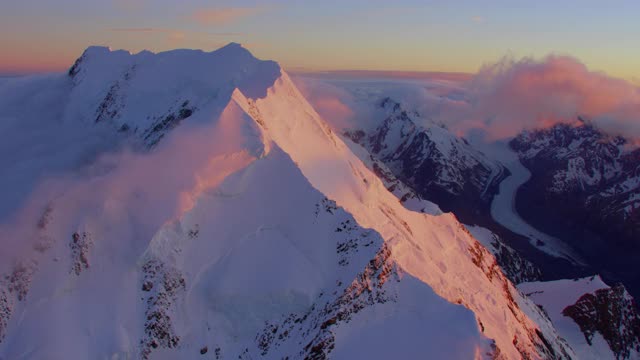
148 94
422 246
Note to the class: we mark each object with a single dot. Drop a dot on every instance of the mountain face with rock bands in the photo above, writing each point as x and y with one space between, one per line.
194 205
599 321
588 184
436 164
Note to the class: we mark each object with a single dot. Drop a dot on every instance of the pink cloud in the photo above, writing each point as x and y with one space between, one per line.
510 96
329 101
138 192
152 30
222 16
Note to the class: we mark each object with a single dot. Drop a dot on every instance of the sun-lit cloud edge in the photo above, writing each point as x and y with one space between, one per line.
171 30
223 16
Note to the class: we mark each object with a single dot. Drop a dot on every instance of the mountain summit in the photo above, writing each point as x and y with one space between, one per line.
228 220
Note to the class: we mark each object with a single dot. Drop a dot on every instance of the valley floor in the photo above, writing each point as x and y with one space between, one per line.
503 208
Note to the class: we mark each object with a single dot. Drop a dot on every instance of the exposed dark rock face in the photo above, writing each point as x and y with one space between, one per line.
19 280
163 124
15 285
80 246
314 328
75 68
585 189
404 193
612 313
514 266
413 164
435 163
13 289
5 312
486 263
354 238
113 106
161 286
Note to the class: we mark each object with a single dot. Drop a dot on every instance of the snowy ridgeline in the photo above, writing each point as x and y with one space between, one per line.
194 205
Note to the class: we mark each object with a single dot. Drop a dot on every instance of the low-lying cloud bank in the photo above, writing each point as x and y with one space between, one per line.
501 100
69 180
510 96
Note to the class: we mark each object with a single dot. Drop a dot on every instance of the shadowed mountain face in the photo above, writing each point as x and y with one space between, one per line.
435 163
612 313
585 189
599 321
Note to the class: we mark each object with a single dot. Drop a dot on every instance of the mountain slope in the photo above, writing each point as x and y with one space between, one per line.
589 181
297 129
249 230
438 165
600 322
155 92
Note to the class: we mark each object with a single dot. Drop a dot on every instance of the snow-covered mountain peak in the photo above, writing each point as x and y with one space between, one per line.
420 245
235 48
148 94
98 50
254 232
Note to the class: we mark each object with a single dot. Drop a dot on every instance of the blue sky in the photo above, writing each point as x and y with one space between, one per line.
43 35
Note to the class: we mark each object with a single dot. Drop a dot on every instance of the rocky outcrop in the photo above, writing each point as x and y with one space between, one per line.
164 123
315 328
514 266
13 289
612 313
160 286
81 242
544 347
5 312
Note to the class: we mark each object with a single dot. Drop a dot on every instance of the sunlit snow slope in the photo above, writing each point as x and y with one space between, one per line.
230 222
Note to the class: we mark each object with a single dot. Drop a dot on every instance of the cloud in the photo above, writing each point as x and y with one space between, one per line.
173 36
478 19
178 37
510 96
499 102
139 191
386 74
171 30
223 16
334 105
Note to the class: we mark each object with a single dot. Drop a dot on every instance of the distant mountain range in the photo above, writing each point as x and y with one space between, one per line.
585 189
